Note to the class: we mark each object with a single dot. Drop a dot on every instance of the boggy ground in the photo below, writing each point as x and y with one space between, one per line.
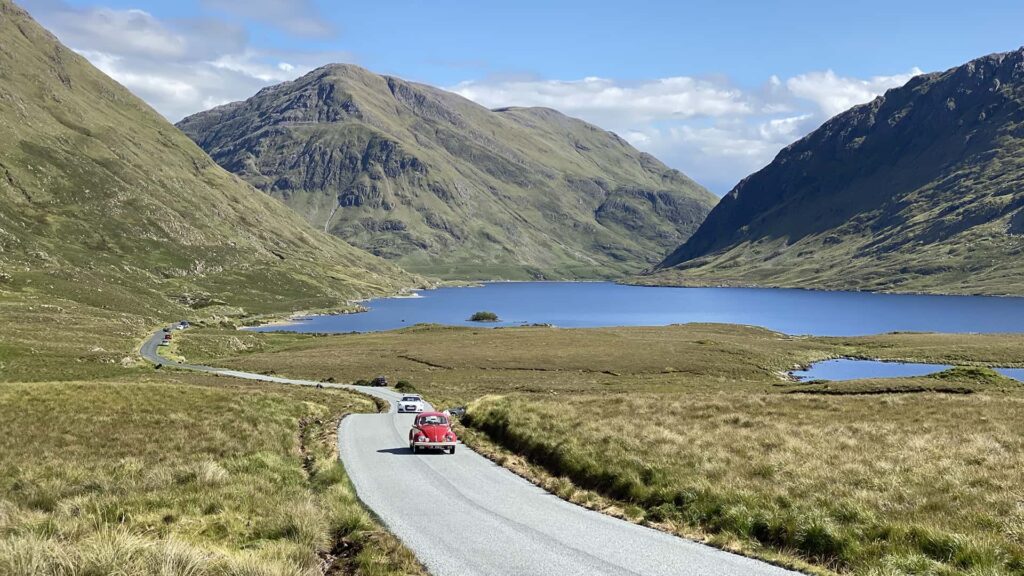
110 467
181 474
694 429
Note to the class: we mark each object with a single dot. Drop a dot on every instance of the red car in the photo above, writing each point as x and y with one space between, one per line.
432 430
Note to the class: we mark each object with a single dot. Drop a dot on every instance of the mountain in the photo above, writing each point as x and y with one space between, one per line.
442 185
920 190
105 204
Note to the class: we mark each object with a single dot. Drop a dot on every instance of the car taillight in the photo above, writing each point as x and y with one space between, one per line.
449 437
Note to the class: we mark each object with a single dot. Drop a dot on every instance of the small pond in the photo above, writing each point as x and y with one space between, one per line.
852 369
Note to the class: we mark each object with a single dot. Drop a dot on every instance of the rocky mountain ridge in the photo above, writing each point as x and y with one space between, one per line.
444 186
918 190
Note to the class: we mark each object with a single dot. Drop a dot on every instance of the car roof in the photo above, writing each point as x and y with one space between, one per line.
411 396
422 414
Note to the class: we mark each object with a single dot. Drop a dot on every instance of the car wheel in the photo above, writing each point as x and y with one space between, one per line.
451 450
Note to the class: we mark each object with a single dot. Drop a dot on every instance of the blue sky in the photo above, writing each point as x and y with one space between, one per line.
712 88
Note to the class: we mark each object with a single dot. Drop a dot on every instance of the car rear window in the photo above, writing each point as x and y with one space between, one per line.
432 420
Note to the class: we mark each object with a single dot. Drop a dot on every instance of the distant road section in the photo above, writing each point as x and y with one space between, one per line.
463 515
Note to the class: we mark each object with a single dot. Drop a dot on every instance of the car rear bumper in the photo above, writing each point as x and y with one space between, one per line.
434 444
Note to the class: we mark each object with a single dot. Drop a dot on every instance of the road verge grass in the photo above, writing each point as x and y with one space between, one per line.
182 474
854 484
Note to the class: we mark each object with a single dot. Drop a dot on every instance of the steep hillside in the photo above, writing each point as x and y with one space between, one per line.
920 190
442 185
103 201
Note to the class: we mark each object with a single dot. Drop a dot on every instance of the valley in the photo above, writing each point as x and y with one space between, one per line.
319 224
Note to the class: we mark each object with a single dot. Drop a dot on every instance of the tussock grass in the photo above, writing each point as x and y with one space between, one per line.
855 483
694 429
181 475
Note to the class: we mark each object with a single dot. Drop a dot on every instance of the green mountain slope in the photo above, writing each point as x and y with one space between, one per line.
442 185
104 202
919 190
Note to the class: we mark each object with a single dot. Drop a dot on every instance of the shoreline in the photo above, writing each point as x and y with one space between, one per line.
631 281
361 305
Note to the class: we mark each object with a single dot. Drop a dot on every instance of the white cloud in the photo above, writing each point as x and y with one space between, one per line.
178 66
834 94
715 132
133 31
248 64
676 97
177 89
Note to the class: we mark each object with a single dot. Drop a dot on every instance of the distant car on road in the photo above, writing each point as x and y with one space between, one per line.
411 403
183 324
432 431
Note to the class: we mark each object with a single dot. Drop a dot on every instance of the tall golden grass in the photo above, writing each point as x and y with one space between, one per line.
181 475
694 429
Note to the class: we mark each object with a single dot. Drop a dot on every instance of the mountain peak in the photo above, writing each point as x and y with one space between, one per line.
440 183
884 195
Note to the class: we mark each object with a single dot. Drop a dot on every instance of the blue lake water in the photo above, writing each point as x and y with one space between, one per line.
593 304
850 369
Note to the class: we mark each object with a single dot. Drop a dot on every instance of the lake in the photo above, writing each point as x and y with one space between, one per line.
852 369
593 304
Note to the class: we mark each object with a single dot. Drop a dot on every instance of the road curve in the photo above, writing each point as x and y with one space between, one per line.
463 515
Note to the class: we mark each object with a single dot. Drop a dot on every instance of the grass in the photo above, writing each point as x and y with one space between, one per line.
840 481
112 223
181 475
694 429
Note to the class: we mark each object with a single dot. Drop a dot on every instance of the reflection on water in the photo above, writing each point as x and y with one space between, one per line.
592 304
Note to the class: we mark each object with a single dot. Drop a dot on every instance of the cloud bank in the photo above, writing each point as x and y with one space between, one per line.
183 66
715 132
712 130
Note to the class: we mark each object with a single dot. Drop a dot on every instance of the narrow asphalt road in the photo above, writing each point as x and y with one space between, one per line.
463 515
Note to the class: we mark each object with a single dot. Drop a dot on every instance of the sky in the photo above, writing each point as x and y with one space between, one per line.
712 88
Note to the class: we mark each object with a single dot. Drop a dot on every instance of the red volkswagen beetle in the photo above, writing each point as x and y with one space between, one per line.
432 430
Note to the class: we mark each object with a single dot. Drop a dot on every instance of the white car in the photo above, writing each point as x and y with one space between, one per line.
411 403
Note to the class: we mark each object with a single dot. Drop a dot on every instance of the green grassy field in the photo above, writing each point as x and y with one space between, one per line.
182 475
695 430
